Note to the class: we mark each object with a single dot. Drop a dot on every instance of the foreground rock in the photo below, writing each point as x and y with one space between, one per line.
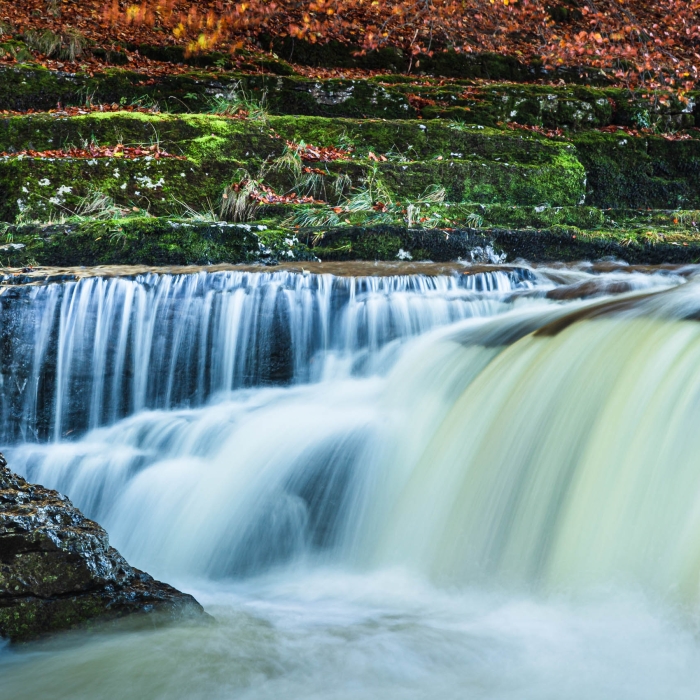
58 571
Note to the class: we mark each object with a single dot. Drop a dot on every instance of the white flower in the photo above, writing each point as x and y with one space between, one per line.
147 182
45 182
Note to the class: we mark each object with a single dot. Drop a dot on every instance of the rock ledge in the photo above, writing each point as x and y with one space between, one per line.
58 571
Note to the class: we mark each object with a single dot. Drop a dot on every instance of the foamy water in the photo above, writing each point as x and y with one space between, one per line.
484 493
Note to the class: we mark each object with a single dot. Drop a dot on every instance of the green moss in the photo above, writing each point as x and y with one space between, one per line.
543 217
498 183
201 136
558 243
651 172
24 87
381 247
388 97
32 617
573 108
47 189
477 165
557 184
370 243
148 241
614 223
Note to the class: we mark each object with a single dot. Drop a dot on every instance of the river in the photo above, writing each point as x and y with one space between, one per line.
471 482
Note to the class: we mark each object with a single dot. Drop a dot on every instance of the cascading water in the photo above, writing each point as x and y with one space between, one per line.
85 353
458 485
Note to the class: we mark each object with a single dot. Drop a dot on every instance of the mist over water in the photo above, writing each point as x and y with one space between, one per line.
342 636
472 485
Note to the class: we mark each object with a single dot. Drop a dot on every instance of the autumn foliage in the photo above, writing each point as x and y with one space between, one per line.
632 40
93 151
318 154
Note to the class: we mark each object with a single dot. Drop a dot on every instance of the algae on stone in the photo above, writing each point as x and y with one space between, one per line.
57 570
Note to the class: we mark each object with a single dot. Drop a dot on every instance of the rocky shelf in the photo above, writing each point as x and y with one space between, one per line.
58 571
395 167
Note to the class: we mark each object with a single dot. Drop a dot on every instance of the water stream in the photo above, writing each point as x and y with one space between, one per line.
467 485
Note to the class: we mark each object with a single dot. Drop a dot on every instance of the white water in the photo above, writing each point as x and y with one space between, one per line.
85 353
339 636
473 510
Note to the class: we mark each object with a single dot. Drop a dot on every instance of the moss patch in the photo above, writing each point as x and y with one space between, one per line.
592 193
153 242
472 164
148 241
24 87
650 172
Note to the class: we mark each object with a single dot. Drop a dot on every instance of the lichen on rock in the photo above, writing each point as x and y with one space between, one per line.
58 571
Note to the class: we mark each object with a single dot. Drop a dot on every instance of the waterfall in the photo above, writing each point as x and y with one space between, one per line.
83 354
507 437
569 462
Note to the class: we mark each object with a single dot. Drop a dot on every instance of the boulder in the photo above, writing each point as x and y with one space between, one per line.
58 571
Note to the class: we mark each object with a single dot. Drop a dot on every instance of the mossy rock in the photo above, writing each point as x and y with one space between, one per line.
58 571
154 242
473 165
148 241
650 172
199 136
24 87
582 217
558 243
46 189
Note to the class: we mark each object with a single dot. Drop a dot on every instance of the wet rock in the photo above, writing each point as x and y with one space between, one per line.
590 288
58 571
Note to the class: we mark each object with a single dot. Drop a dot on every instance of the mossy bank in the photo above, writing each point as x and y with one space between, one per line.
398 187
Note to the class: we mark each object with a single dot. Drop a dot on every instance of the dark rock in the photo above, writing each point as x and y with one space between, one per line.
58 571
590 288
